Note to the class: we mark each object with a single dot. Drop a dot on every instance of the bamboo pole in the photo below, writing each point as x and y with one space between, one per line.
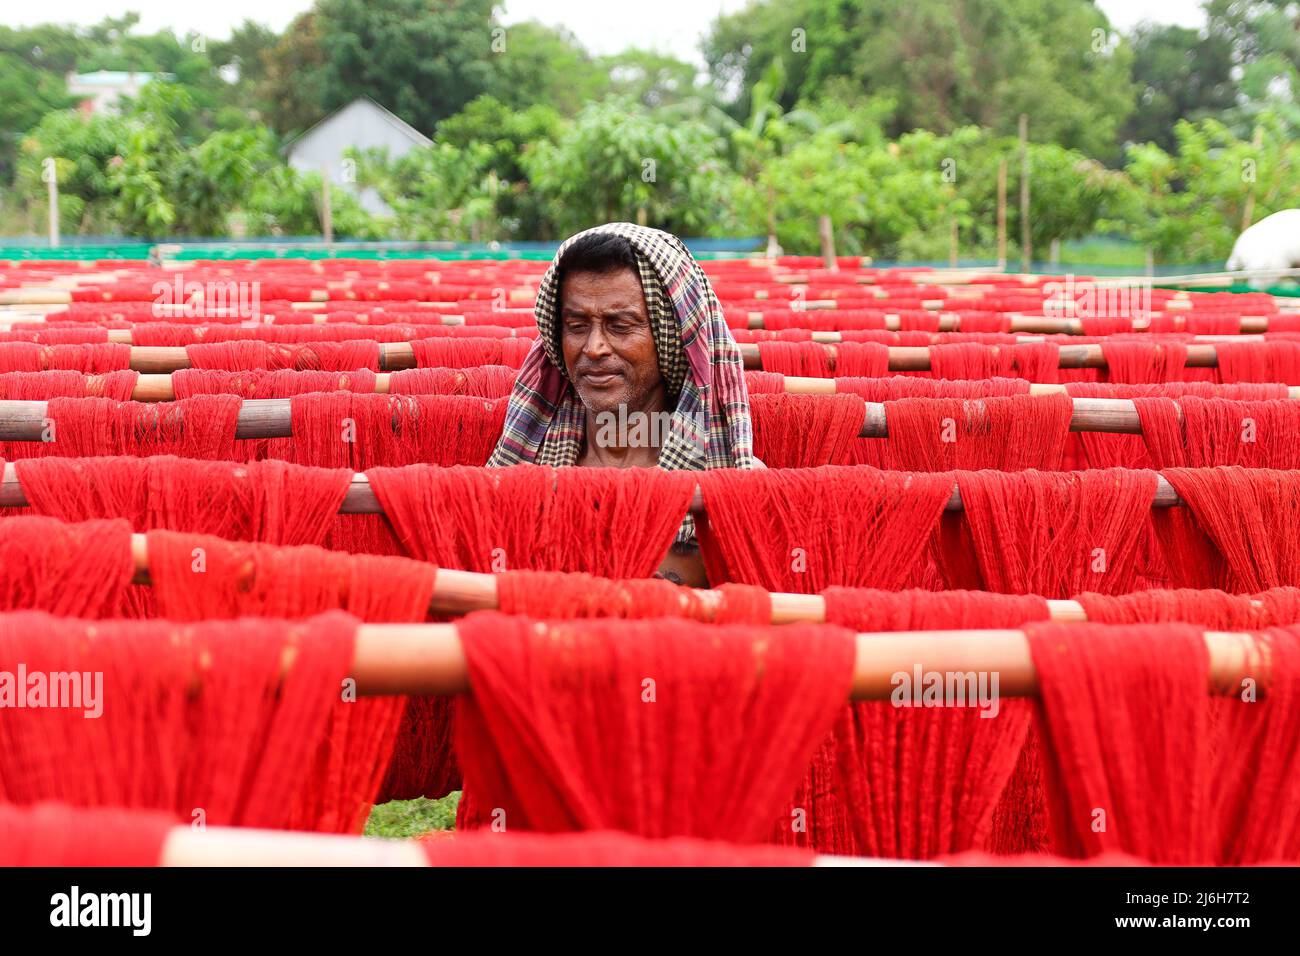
186 846
463 592
22 420
394 356
360 498
429 659
159 387
907 358
242 846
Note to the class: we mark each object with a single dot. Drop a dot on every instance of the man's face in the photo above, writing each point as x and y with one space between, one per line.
609 350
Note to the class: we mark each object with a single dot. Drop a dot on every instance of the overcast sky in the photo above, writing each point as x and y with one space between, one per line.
604 26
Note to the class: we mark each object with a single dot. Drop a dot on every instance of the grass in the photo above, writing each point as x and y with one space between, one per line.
403 819
1103 251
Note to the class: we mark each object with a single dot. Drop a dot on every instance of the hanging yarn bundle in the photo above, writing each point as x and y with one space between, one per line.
349 430
91 359
613 522
191 717
488 381
1200 433
554 595
945 434
1126 719
264 383
804 431
42 386
200 427
889 781
658 729
70 570
867 609
1239 530
1052 534
318 356
268 501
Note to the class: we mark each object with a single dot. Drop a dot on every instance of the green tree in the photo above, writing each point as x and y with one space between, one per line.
534 64
944 63
1180 74
1194 199
509 135
617 162
26 95
423 61
293 87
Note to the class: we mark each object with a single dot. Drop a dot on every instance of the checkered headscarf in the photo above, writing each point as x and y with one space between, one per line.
698 358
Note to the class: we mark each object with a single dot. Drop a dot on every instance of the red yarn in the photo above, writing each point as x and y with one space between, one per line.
454 352
1274 360
200 427
940 769
1138 360
614 522
1209 608
71 570
322 356
90 358
51 834
247 746
908 386
261 383
1239 529
599 849
796 358
808 528
943 434
865 609
1200 433
765 383
804 431
489 381
198 577
1243 391
554 595
348 430
1125 714
1052 534
663 728
861 359
41 386
1035 362
261 501
1254 781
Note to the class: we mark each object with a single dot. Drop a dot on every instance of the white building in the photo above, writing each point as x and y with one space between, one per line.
363 124
99 92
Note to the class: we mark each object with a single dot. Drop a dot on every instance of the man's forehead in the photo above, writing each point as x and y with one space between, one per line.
604 292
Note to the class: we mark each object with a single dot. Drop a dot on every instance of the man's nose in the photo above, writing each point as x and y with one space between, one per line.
596 344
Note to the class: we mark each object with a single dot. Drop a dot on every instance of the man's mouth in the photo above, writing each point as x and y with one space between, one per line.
600 379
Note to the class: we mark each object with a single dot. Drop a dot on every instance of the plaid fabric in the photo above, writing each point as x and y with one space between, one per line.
698 358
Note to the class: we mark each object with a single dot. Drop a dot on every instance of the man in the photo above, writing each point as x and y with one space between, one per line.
633 367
